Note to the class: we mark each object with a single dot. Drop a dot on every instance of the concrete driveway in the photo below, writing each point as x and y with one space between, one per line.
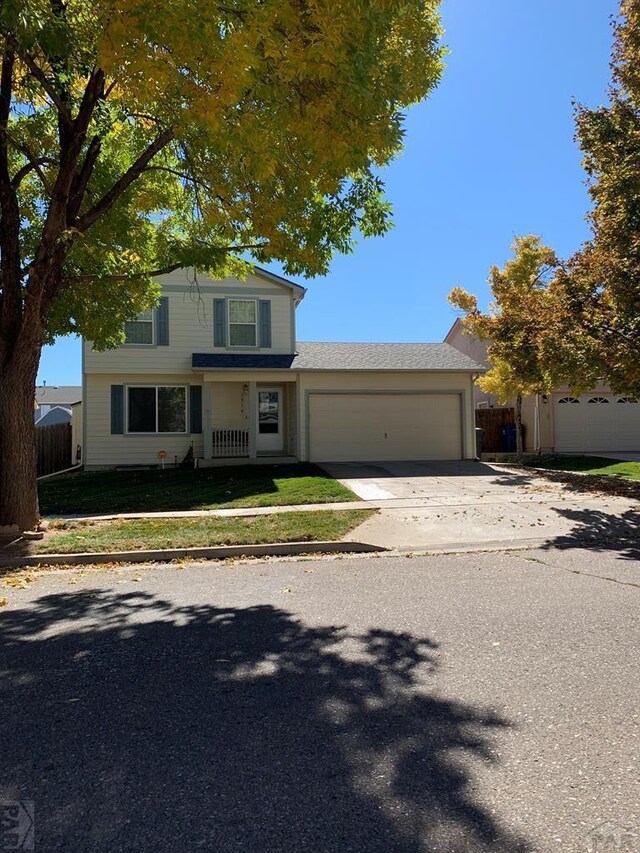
465 505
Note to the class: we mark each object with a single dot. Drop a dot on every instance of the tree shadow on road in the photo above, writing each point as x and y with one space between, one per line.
136 724
601 531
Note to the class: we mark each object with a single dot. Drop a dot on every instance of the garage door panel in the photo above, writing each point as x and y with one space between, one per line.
384 427
596 423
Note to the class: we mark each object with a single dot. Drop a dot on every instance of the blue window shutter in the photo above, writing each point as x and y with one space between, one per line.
117 409
195 408
265 323
162 322
219 323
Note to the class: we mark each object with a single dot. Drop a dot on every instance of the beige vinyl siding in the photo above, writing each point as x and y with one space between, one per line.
229 405
76 431
106 450
191 326
460 385
291 413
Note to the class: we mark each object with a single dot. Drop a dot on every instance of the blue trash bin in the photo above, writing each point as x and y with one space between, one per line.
509 438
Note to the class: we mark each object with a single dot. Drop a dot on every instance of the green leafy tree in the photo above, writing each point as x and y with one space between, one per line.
137 137
598 327
516 327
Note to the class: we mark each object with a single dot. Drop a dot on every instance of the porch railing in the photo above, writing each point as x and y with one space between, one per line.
230 442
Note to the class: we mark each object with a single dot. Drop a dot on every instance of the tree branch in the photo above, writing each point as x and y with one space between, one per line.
124 276
41 77
154 273
81 179
107 201
33 166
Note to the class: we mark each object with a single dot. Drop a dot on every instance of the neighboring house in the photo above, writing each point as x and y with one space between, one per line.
596 422
54 415
49 397
219 370
477 351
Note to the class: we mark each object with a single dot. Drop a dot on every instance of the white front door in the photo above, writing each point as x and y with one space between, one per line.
269 410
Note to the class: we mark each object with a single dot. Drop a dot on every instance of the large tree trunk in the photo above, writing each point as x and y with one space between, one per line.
519 443
18 464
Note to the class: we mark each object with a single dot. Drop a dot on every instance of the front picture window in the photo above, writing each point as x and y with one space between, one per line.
171 409
140 330
242 323
157 409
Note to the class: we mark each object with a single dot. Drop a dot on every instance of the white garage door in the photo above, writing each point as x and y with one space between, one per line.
384 427
595 423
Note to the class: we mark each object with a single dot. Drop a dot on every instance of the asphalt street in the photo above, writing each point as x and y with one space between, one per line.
478 702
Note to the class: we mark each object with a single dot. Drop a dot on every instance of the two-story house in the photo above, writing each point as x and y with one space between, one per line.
218 369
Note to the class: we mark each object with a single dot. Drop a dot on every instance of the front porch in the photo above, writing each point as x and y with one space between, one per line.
248 422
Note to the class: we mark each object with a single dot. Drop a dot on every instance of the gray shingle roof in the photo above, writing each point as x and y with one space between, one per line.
58 394
327 356
354 356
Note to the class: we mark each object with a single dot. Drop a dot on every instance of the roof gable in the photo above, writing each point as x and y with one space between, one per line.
298 290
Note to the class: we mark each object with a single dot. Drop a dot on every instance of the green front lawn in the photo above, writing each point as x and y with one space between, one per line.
67 537
104 492
587 465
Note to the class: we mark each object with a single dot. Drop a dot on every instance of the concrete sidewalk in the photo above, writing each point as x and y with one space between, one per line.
244 511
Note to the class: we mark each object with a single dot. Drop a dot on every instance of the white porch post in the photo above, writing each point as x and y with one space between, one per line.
207 410
253 421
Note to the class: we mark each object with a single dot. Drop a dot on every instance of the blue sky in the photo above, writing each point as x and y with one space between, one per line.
489 155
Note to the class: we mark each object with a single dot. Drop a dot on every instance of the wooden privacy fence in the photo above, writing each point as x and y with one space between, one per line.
53 445
492 421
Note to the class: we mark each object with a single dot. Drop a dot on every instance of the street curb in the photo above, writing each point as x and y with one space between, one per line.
491 545
277 549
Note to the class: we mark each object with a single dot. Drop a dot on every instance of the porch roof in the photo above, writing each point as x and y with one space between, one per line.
240 361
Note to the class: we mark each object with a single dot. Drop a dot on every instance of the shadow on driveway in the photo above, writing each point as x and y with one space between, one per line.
601 532
135 724
404 470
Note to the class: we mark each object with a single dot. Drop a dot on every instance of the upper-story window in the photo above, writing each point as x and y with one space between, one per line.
140 330
243 323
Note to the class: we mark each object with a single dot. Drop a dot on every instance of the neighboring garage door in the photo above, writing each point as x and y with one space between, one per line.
384 427
597 422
